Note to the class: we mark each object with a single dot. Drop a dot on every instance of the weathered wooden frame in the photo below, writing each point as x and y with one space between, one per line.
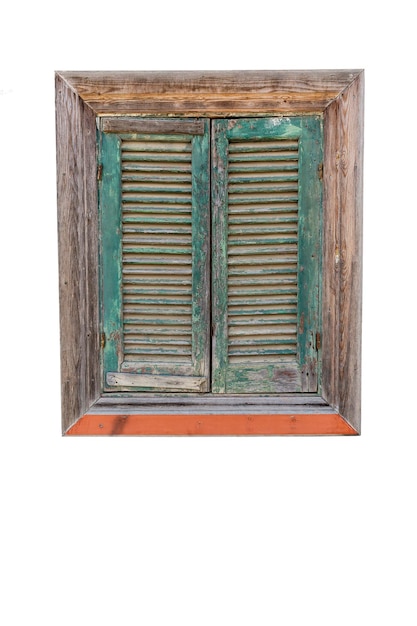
81 97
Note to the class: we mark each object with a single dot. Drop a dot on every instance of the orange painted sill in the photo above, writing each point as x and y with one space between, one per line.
212 424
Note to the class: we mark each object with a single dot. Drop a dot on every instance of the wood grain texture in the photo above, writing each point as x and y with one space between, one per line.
342 282
78 248
183 383
209 93
223 424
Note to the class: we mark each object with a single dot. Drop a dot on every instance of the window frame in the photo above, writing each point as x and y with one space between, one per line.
82 98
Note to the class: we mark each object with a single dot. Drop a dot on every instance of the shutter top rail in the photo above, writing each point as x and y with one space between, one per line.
144 126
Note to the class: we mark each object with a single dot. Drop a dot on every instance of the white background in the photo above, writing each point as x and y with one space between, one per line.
203 531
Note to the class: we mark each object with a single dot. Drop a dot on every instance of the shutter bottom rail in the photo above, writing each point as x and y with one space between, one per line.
181 383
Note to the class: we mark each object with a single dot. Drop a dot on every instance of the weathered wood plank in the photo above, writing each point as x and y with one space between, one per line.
184 383
78 250
210 401
209 93
342 290
135 125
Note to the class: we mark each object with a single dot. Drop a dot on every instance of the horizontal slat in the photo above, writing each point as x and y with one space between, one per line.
261 240
153 158
256 310
157 290
158 229
174 330
175 145
263 166
277 281
142 239
262 360
133 298
276 330
128 249
260 290
183 273
281 340
250 229
237 145
157 198
161 188
162 178
162 218
264 156
282 248
283 316
274 261
141 341
249 199
265 351
260 183
262 271
149 259
159 351
148 319
254 213
177 286
166 168
267 179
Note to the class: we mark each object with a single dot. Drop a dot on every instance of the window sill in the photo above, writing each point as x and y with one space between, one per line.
169 414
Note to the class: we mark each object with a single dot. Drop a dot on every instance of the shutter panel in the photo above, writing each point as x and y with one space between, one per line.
266 254
154 201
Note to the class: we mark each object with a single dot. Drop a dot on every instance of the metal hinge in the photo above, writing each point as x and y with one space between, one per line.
102 340
320 171
318 341
99 172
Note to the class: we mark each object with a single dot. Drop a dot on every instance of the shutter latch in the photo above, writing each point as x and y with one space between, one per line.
99 172
102 340
318 341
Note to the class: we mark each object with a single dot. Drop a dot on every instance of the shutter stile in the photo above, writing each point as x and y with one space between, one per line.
163 261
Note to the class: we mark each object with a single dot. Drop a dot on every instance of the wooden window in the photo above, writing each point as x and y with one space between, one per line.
142 311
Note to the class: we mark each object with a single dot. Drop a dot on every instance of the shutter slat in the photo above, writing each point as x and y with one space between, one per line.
275 242
145 196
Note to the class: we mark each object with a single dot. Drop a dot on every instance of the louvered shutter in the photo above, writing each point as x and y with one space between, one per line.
154 205
266 202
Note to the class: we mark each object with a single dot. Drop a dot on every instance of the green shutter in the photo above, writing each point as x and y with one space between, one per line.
266 199
154 205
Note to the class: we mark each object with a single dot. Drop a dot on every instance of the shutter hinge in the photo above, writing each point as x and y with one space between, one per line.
99 172
102 340
320 171
318 341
